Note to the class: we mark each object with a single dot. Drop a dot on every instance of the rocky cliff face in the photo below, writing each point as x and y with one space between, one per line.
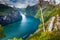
31 10
8 15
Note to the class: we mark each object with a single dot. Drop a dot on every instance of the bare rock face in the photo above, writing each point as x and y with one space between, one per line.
8 15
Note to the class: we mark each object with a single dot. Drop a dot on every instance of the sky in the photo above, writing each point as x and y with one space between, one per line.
23 3
57 1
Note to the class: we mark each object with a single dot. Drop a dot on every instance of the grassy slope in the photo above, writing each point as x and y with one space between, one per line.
48 13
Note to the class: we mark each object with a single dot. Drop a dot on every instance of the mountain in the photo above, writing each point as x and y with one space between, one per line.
31 10
8 15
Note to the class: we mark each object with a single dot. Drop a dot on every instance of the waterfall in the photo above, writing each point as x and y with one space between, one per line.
23 17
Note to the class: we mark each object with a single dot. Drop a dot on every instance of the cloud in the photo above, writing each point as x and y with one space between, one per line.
20 3
57 1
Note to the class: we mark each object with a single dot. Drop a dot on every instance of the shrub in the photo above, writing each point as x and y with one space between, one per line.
49 36
1 32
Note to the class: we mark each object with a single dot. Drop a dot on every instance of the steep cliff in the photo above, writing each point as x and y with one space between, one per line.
8 15
31 10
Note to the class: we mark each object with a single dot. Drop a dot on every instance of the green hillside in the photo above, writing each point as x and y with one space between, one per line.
48 12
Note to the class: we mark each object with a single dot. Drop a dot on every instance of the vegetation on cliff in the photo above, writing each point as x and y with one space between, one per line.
48 13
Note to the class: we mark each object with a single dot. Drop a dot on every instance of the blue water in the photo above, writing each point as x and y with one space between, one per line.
21 29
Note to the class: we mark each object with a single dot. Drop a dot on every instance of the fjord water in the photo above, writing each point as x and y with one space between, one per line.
21 29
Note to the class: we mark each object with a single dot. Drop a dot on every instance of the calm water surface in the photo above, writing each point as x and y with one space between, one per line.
21 29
